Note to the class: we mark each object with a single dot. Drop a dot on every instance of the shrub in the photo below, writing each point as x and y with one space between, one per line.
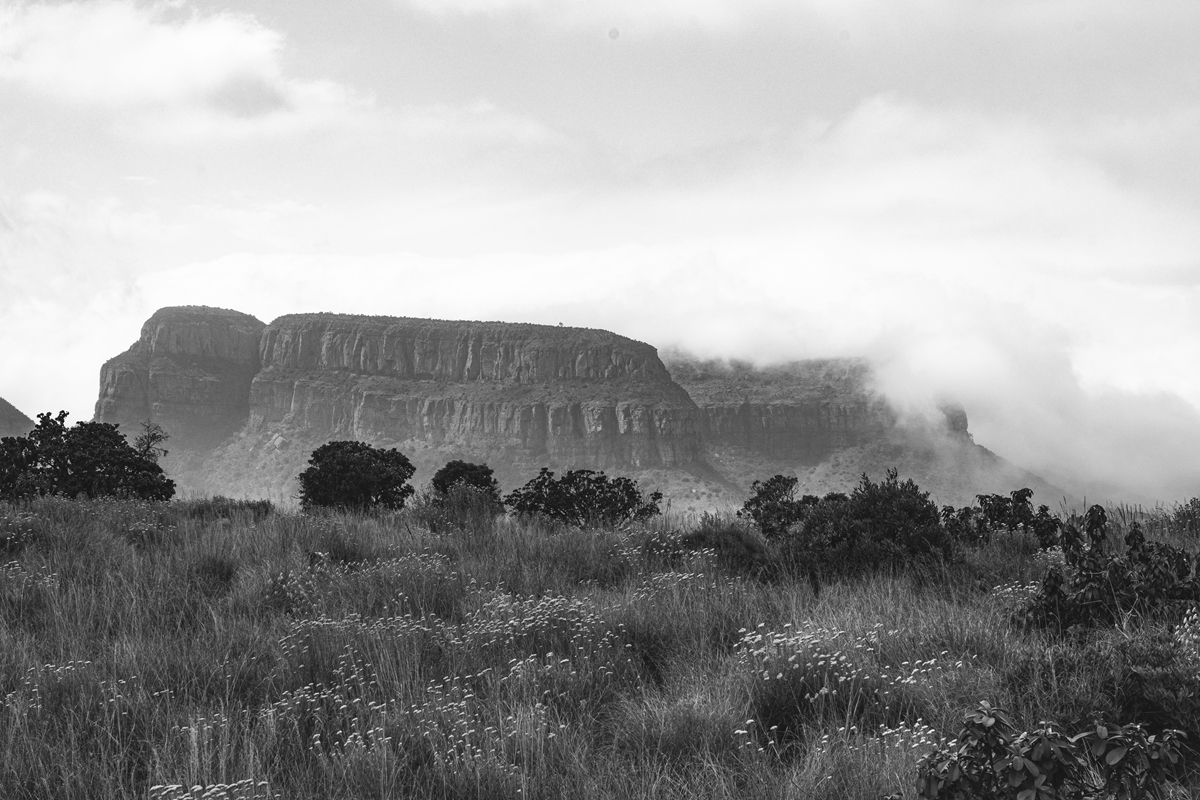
736 547
1150 578
993 759
90 459
879 524
996 512
583 497
465 496
355 476
967 525
478 476
773 505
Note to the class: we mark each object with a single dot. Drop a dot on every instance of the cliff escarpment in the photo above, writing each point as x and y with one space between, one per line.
245 404
190 371
520 392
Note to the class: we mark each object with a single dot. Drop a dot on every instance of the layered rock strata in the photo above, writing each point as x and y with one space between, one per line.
245 404
190 371
527 392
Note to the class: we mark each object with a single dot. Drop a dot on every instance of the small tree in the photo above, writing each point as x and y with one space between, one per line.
477 476
355 476
91 459
773 505
149 441
583 497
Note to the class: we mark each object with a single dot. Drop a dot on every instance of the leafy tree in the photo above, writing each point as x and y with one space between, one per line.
879 524
91 459
355 476
478 476
583 497
773 505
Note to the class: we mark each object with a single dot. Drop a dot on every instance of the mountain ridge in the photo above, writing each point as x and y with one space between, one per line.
246 402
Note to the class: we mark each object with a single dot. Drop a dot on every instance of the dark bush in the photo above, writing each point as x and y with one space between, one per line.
454 473
354 476
584 498
464 496
736 547
975 525
90 459
880 524
1151 578
773 505
993 759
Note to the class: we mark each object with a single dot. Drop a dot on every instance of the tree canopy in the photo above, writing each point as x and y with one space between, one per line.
89 459
355 476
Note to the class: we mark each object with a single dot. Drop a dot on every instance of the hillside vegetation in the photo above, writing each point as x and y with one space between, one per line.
445 651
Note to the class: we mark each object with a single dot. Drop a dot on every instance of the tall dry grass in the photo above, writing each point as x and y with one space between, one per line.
148 649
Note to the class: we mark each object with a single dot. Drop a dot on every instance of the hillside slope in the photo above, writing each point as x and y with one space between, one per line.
12 421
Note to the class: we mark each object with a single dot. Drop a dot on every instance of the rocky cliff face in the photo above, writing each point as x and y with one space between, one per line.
802 410
12 421
246 404
519 396
189 371
521 392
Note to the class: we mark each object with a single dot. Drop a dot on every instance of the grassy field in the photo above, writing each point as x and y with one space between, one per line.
147 649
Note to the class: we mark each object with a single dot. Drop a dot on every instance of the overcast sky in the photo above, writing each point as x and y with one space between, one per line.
997 200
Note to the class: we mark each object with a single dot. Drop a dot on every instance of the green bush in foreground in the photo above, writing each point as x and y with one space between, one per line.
354 476
456 473
583 497
995 761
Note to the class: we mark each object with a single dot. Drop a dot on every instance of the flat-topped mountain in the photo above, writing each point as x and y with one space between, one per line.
519 396
247 403
12 421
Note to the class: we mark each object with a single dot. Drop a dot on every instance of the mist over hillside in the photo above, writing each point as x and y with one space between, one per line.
246 403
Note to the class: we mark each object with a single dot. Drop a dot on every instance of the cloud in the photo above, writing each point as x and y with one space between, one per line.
872 19
163 73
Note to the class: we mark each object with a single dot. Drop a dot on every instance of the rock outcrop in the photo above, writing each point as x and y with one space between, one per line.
190 371
245 405
12 421
519 396
519 392
803 410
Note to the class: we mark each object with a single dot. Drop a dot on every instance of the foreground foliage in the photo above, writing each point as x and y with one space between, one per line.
223 649
992 760
583 497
